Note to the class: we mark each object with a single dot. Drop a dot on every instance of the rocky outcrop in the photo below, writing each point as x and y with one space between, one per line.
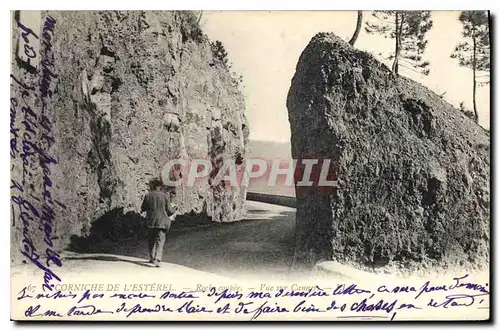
414 173
128 91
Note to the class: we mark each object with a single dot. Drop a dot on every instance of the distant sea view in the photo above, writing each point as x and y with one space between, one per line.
270 150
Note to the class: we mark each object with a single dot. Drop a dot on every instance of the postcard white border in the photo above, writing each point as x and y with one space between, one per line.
209 5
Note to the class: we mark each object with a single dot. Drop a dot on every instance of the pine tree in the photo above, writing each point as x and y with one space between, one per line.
474 51
359 22
219 52
408 29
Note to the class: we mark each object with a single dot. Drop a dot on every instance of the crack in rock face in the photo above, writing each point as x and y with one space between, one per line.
415 178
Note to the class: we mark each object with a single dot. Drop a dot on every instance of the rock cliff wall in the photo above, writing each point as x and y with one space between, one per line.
123 93
414 172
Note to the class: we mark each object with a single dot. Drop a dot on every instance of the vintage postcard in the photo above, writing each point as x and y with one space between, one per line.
250 165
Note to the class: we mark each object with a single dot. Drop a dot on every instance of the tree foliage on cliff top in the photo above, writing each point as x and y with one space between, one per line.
190 26
408 29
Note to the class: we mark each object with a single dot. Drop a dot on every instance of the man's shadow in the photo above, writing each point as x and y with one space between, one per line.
115 226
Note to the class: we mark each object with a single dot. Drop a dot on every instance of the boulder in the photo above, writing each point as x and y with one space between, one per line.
414 172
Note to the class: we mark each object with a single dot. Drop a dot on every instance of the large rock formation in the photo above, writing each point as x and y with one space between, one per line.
414 172
124 93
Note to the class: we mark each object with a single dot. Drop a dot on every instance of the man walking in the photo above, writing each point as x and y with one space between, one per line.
160 213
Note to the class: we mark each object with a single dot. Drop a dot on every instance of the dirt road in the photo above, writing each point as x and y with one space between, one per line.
261 244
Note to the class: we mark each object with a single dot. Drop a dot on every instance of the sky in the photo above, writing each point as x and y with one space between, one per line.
264 47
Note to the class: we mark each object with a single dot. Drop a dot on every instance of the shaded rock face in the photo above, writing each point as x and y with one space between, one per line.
414 172
132 90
